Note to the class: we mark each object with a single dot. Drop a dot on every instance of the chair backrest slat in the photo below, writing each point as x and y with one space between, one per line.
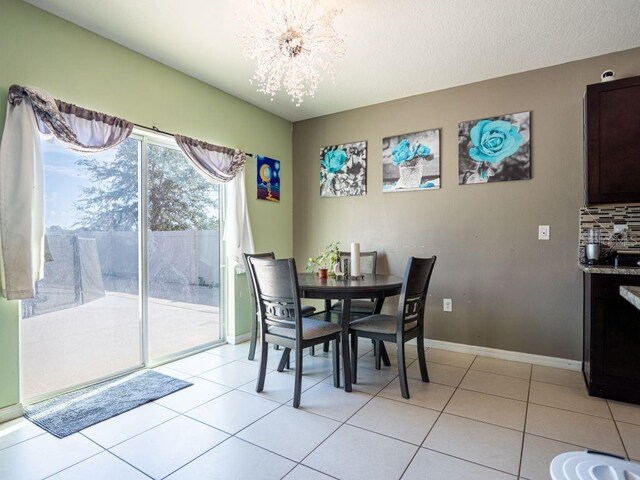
368 261
277 313
252 288
276 287
413 297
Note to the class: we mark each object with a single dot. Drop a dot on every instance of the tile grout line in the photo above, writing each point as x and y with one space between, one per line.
183 414
73 465
280 405
524 427
313 413
615 423
116 456
570 411
131 437
197 457
472 462
343 423
467 389
436 421
26 439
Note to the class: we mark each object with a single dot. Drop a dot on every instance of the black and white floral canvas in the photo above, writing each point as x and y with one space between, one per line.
343 170
411 161
496 149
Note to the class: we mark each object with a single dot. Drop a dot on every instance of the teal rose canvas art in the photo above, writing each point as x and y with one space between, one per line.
496 149
411 161
343 170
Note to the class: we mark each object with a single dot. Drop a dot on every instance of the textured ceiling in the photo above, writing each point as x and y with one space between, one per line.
394 48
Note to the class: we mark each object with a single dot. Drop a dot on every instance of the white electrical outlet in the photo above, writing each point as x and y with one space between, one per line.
543 232
447 305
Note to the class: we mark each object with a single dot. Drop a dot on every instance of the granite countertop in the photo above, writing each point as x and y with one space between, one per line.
609 269
632 294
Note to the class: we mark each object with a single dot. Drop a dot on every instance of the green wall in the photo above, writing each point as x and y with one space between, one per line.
80 67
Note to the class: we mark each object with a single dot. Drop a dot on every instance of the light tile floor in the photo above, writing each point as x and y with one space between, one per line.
479 418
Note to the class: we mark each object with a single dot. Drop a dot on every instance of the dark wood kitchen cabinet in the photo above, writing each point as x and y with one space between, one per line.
612 124
611 363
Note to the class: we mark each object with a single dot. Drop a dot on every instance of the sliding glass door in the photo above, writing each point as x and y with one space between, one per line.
133 270
183 238
84 322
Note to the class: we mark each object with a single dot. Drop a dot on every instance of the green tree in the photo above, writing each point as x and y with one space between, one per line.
178 197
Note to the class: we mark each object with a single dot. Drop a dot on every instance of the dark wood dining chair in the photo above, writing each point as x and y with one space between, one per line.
368 261
282 322
362 308
406 325
255 321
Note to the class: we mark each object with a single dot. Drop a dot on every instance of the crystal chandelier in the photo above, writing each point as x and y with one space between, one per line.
293 44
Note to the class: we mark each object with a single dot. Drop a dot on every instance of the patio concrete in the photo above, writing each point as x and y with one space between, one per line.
82 343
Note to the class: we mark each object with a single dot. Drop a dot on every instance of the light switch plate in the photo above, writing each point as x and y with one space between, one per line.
447 304
543 232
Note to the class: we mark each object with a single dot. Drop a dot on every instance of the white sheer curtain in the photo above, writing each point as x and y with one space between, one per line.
225 165
237 226
21 203
31 111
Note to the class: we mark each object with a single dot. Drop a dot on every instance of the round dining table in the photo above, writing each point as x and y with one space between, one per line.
376 287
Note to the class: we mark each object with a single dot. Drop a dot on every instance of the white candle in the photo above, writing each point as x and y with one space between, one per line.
355 260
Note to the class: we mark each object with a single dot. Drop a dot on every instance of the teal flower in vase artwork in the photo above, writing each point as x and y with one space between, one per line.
493 141
334 160
404 152
401 152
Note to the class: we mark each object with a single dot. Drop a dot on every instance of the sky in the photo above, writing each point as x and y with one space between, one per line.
64 181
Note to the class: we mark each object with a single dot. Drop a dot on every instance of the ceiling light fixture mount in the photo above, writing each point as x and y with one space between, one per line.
293 44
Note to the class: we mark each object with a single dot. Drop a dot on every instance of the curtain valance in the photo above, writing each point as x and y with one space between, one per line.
80 129
221 164
225 165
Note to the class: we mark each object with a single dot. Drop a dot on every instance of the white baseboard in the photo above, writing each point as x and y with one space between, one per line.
542 360
245 337
11 412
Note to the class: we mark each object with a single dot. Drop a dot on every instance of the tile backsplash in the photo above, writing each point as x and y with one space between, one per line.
605 217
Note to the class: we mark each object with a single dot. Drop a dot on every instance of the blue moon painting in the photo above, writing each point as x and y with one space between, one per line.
268 178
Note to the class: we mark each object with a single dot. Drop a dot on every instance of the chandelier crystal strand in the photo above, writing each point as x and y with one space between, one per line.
293 44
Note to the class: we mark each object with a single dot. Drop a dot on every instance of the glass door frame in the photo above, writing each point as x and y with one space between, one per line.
145 137
150 137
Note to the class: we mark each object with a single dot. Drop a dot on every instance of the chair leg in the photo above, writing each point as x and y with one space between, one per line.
284 360
402 370
312 350
264 352
327 318
276 347
376 352
384 355
336 363
289 361
254 338
421 359
354 358
345 361
297 389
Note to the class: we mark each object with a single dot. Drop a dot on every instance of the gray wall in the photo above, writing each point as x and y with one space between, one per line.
509 290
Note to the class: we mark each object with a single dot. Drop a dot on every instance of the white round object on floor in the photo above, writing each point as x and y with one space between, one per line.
592 466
